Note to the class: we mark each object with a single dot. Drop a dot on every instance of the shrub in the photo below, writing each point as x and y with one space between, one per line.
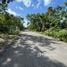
62 35
52 32
17 32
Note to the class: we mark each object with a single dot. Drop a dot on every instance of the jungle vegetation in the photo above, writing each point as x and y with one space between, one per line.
52 23
9 23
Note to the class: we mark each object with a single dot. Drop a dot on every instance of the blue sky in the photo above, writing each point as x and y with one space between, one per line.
24 7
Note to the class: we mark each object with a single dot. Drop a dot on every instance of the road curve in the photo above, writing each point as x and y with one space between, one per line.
31 49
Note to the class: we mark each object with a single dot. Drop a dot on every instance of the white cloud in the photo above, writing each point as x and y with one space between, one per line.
26 22
27 3
47 2
38 4
19 0
35 6
21 8
11 12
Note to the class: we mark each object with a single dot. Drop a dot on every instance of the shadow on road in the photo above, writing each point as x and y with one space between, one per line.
23 55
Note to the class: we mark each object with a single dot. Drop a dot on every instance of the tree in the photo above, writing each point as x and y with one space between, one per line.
52 18
65 3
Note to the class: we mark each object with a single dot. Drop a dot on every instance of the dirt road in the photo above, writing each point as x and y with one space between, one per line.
31 49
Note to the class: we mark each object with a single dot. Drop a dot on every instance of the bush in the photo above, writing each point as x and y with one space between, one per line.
52 32
15 32
57 33
62 35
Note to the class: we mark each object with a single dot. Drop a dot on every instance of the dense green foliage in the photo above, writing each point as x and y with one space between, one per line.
52 32
53 22
9 23
62 35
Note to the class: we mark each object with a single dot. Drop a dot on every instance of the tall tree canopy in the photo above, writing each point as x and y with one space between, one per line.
54 17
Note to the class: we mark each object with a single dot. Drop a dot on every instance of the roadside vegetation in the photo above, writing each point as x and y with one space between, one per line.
52 23
10 25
